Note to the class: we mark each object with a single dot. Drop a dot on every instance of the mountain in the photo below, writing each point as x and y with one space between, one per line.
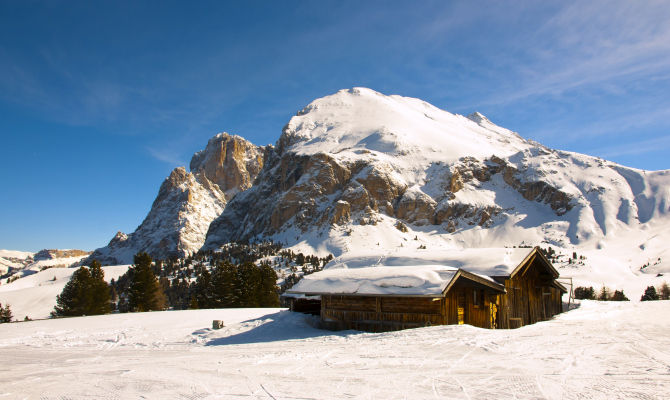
359 171
188 201
16 264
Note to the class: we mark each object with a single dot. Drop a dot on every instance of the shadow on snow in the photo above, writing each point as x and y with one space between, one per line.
280 326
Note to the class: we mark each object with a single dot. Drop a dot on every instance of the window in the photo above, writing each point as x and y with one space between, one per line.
476 298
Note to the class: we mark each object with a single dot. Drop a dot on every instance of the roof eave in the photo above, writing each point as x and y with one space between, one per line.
536 251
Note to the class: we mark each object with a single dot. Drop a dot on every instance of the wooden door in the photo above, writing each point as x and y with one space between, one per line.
461 308
493 312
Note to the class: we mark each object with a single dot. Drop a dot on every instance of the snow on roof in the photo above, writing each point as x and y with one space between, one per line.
422 280
498 261
409 273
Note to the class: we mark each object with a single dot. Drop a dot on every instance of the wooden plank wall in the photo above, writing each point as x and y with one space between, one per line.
530 298
379 314
475 315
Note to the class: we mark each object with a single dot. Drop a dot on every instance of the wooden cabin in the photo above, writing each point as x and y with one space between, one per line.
532 293
390 297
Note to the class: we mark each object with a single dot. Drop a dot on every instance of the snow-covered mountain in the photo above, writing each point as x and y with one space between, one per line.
188 201
360 171
21 263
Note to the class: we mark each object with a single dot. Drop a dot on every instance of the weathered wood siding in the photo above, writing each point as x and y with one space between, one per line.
386 313
379 313
463 296
531 297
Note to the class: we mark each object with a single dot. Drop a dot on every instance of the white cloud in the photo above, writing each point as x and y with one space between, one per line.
641 147
168 156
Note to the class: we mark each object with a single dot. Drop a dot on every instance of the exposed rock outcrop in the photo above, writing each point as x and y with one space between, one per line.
188 201
50 254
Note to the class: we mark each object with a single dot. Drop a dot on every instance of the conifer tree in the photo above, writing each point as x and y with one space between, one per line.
604 294
100 296
145 292
268 293
222 286
649 294
75 299
585 293
5 314
619 296
664 291
247 284
202 290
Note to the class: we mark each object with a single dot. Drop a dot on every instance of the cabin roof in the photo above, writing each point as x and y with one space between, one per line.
499 261
418 273
417 280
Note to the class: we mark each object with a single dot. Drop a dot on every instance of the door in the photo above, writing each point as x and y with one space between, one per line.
461 308
493 312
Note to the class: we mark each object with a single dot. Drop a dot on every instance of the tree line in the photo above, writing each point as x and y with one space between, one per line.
87 293
146 286
605 294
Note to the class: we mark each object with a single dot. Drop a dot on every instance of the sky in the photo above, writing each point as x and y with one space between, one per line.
99 101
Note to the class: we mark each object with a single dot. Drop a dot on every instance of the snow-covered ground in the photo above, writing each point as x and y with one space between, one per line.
598 351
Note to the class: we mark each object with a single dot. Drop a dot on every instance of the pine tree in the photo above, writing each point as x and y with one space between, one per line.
145 292
268 291
75 298
649 294
619 296
202 290
113 294
664 291
585 293
222 286
5 314
100 296
247 284
604 294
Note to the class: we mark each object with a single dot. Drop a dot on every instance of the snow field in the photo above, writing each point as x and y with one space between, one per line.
598 351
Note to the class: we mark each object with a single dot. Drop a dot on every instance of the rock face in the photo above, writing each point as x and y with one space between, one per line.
188 201
230 162
51 254
358 157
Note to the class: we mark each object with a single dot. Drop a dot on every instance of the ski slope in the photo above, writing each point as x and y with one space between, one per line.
598 351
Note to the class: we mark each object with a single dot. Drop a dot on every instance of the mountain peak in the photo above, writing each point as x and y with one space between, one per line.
362 121
478 118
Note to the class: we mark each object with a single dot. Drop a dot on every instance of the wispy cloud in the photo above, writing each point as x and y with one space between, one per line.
641 147
171 157
592 43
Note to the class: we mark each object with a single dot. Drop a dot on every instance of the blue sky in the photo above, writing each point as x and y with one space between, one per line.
99 101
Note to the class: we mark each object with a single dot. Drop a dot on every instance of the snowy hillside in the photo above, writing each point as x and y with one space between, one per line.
599 351
359 171
34 295
15 264
11 259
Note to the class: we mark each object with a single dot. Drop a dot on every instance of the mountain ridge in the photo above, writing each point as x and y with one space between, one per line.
359 172
357 155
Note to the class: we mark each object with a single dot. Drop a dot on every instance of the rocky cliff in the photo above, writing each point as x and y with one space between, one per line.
188 201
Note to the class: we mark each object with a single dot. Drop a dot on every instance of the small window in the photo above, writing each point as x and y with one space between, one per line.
476 297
